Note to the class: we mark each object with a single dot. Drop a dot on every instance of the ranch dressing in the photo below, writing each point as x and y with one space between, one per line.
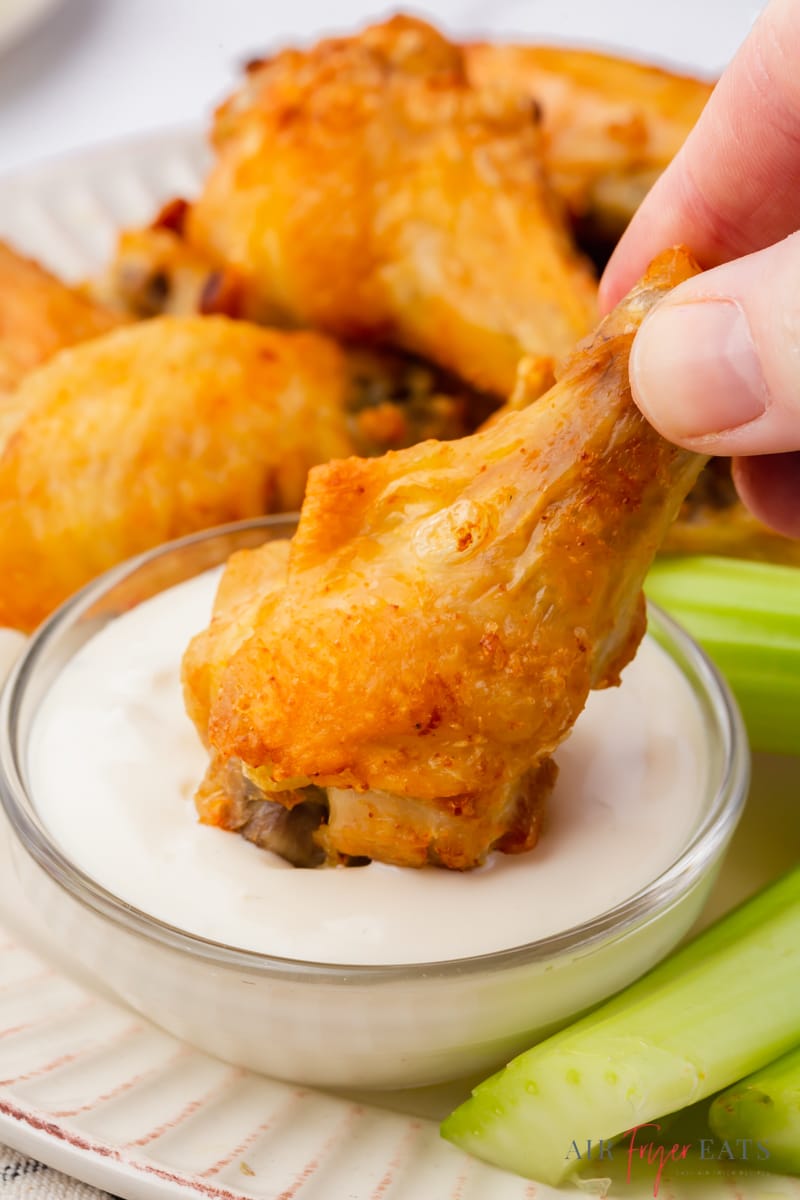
114 761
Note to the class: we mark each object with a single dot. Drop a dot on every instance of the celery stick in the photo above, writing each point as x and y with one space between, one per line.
746 615
721 1007
765 1107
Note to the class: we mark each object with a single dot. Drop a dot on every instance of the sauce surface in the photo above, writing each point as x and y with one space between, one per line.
114 761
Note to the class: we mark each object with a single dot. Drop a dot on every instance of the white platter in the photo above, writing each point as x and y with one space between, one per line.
96 1092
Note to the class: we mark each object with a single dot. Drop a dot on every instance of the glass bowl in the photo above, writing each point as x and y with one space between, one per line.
338 1025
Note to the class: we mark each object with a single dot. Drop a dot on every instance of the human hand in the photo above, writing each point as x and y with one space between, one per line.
716 367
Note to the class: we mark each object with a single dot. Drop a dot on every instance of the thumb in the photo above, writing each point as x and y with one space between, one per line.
716 366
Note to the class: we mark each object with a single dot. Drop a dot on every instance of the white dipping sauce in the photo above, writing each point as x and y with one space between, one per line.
114 761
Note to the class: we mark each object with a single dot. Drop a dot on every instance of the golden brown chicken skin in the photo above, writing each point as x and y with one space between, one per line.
364 188
609 126
152 432
447 609
311 826
39 315
177 424
394 400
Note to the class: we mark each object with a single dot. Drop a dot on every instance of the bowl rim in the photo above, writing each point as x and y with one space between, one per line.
643 906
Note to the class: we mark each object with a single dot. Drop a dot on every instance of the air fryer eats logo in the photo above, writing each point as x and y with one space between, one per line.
639 1145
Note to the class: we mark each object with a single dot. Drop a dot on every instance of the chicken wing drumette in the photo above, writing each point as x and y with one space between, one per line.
365 188
443 614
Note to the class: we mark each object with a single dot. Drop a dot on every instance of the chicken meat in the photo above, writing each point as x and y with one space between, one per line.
363 187
176 424
434 630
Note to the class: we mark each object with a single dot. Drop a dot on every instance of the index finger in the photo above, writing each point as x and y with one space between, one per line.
733 187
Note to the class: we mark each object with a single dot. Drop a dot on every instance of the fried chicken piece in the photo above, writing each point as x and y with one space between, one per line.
712 518
447 609
395 399
364 188
39 315
609 126
151 432
309 825
177 424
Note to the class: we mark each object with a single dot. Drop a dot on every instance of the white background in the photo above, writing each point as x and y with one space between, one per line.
97 69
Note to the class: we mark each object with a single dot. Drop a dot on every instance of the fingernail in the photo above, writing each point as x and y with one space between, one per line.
695 371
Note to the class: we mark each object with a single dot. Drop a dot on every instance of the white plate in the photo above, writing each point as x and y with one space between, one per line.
95 1091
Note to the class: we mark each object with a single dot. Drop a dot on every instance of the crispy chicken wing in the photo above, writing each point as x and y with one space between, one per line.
609 126
395 399
175 425
151 432
311 825
38 316
445 612
363 187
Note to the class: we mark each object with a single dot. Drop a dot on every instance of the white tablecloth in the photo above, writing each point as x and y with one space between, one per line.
23 1178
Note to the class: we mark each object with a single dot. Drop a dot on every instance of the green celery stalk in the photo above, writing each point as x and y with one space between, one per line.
721 1007
746 615
765 1107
